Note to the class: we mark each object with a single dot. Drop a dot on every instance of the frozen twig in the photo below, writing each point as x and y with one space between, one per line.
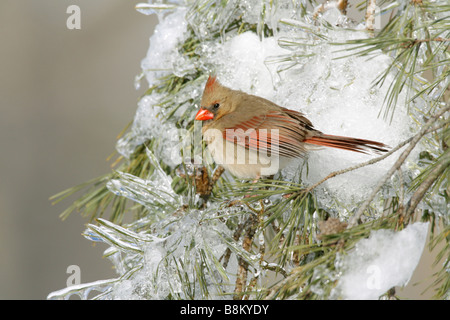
216 175
241 279
370 15
354 220
358 166
203 184
262 250
442 164
293 279
236 235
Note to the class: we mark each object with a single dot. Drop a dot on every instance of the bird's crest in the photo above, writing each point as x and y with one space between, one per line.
210 83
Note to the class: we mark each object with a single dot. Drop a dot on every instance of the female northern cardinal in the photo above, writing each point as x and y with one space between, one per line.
253 137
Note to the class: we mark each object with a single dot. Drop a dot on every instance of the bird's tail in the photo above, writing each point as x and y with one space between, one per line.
347 143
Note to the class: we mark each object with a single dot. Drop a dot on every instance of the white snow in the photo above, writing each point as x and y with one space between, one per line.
386 259
162 53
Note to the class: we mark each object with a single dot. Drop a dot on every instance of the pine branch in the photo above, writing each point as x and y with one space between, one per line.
403 37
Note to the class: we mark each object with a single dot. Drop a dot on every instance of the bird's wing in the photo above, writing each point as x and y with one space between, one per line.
276 131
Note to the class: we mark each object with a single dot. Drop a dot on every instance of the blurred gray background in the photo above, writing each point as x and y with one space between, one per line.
64 97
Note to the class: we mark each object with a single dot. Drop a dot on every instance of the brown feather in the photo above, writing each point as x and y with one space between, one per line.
277 131
347 143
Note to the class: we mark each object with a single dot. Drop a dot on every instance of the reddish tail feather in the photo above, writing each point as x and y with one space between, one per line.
347 143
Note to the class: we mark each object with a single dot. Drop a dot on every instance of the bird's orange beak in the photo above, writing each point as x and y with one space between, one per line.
204 114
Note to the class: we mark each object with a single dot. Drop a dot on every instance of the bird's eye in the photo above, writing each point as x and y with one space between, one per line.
216 105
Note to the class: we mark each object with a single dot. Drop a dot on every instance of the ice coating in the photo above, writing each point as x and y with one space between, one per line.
165 262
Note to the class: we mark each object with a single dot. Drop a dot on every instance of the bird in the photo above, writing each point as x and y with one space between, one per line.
253 137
